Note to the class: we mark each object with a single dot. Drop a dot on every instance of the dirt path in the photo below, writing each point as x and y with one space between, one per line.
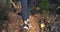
15 23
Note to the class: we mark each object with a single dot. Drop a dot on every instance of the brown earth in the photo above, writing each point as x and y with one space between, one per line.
15 23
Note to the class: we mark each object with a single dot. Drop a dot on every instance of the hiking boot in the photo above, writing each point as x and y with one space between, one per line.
25 26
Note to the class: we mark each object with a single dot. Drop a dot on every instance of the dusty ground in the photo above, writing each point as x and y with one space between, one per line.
15 23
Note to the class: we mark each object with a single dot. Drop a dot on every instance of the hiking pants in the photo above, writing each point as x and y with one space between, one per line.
25 10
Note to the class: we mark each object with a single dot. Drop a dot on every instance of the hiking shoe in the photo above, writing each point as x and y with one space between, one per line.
25 26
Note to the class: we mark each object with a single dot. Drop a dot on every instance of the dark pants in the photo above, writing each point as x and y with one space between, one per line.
25 10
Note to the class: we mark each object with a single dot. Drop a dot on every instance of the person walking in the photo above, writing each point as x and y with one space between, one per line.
25 13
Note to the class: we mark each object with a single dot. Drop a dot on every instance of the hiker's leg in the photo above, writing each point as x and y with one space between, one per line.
25 10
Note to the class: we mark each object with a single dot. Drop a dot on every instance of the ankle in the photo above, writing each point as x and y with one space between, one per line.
25 22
